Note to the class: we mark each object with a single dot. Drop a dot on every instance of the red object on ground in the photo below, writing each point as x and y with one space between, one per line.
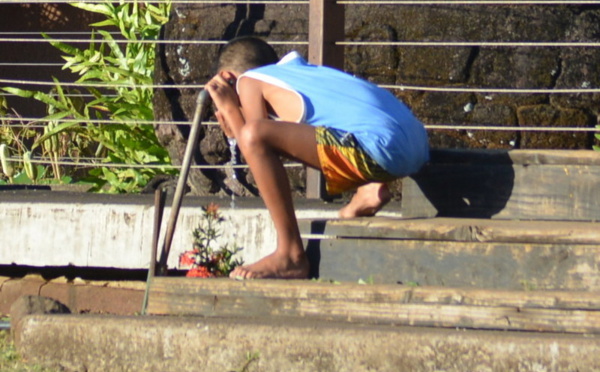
199 272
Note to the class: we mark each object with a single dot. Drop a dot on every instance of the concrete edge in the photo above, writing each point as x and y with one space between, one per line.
112 343
115 231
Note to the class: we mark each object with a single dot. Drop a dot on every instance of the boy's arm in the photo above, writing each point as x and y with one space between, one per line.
252 100
227 104
234 110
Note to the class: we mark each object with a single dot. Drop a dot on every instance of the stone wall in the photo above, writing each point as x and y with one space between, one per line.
468 66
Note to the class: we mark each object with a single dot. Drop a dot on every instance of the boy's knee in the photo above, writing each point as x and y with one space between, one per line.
250 134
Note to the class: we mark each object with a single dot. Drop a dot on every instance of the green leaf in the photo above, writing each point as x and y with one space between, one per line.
105 9
22 179
66 48
19 92
105 23
54 131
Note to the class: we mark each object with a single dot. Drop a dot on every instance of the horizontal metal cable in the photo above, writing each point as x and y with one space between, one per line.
477 127
349 2
545 44
124 41
93 163
508 128
83 95
251 2
569 44
30 64
100 84
32 121
37 33
387 86
466 2
492 90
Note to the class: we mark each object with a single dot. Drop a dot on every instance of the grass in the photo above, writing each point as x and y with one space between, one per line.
10 361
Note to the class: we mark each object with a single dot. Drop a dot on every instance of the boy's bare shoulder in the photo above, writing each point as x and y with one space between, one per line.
284 103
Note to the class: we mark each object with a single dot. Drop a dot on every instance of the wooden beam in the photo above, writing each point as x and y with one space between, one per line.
326 26
518 184
548 311
445 229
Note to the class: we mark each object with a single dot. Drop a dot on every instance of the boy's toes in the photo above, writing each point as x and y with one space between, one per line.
241 273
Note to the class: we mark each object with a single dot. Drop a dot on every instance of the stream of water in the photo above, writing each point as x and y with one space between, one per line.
232 164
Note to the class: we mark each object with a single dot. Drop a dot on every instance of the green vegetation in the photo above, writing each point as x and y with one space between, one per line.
208 259
108 127
597 135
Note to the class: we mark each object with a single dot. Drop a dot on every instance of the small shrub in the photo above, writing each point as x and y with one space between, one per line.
206 259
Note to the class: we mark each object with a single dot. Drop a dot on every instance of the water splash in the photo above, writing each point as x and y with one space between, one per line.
232 164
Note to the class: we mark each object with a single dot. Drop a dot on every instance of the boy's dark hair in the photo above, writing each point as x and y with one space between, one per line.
246 52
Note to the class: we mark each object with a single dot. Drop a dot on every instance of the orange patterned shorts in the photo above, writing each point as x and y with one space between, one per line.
344 163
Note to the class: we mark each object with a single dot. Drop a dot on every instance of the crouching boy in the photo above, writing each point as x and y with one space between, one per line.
357 134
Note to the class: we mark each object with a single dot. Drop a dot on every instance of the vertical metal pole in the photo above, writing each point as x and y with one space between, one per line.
325 27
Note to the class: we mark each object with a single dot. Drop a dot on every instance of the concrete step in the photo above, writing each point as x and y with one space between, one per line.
457 252
167 343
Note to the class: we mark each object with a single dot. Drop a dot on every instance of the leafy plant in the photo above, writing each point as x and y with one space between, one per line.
597 135
206 259
119 78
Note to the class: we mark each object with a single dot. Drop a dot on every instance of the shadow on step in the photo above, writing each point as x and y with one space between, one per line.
461 183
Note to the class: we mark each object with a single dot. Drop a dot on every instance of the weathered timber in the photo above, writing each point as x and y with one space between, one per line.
455 229
484 265
516 184
552 311
457 252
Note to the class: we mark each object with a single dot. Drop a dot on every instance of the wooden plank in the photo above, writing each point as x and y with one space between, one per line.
555 157
504 191
326 26
382 293
455 229
554 311
515 157
458 264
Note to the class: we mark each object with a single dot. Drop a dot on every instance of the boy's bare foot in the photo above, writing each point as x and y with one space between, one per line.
367 201
274 266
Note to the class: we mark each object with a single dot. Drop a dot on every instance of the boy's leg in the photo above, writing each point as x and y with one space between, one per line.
367 200
262 142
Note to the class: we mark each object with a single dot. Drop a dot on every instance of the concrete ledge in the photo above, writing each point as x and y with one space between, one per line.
53 228
101 343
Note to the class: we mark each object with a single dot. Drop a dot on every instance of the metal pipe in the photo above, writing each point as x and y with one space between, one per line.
201 104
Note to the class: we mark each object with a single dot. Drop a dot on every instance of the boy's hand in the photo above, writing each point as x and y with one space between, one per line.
226 101
222 93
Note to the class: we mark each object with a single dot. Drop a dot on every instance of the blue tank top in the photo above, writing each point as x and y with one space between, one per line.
383 126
